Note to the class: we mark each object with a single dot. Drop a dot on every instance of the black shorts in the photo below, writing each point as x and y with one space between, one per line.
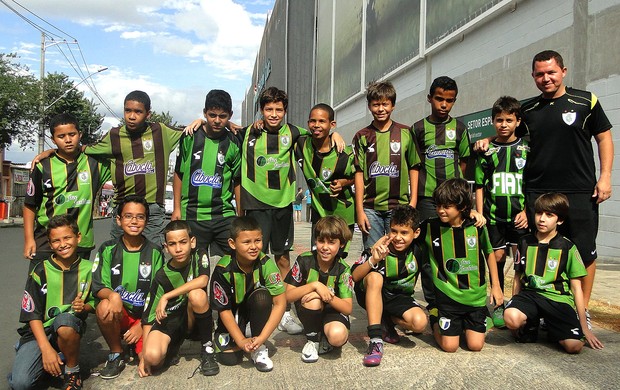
504 233
328 314
394 304
561 318
213 234
175 327
581 227
452 321
277 227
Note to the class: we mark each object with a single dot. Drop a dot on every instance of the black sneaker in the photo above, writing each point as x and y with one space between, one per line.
324 345
73 381
208 364
527 334
113 368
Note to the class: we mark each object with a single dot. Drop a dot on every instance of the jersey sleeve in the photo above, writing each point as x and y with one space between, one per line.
464 148
485 241
363 258
102 277
413 156
171 135
33 301
359 151
520 256
234 152
102 148
203 265
34 190
221 290
598 121
575 268
273 280
294 277
152 300
345 282
105 173
181 158
479 172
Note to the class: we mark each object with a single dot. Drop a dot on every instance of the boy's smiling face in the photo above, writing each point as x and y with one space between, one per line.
132 219
319 124
381 109
402 236
273 114
247 245
64 242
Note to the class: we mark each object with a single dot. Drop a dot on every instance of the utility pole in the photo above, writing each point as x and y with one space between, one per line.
42 98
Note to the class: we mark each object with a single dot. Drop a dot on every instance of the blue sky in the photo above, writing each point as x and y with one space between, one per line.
175 50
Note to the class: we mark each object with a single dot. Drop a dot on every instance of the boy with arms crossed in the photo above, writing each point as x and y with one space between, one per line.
457 252
122 276
320 284
385 278
178 297
384 160
207 175
499 174
66 182
56 301
248 293
548 275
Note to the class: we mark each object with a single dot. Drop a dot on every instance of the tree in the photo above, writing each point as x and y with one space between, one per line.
18 101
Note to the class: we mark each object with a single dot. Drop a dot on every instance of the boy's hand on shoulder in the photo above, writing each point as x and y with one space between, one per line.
592 340
39 157
193 127
521 220
482 145
133 334
160 311
479 219
51 360
338 142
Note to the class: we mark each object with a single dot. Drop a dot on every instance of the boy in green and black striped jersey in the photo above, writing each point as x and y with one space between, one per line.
548 276
122 275
329 173
67 182
385 158
56 302
499 197
458 251
443 144
207 175
177 300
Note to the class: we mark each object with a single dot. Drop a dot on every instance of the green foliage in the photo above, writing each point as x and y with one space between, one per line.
161 117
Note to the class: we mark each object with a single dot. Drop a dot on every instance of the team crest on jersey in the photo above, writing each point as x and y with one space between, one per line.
451 134
444 323
285 140
148 144
219 294
275 278
145 270
83 176
221 158
395 146
471 241
569 117
30 188
520 162
412 266
27 303
205 261
296 272
552 264
326 173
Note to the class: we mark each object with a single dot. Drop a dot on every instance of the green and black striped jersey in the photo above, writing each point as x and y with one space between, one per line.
59 187
385 158
500 172
441 146
169 278
306 270
138 161
50 291
208 168
458 260
400 271
129 273
547 268
319 170
268 168
231 286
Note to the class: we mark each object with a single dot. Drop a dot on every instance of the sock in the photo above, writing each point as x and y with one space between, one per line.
72 370
204 325
312 320
500 274
113 355
375 332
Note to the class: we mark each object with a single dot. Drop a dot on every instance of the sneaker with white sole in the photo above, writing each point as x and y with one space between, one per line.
310 353
289 325
261 359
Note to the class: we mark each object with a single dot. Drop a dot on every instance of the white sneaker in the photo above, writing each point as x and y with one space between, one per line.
310 353
289 325
261 360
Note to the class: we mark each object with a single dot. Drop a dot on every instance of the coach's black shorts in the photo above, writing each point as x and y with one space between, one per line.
213 234
277 227
504 233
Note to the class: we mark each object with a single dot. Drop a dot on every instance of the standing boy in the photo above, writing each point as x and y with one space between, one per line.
122 277
385 278
548 275
206 176
56 301
248 293
329 173
457 252
499 173
67 182
178 298
384 160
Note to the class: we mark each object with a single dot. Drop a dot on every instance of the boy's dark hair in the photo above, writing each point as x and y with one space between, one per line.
444 82
62 220
243 224
454 192
140 97
273 95
133 199
546 55
405 215
217 98
506 104
552 202
179 224
379 90
63 119
325 107
332 227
